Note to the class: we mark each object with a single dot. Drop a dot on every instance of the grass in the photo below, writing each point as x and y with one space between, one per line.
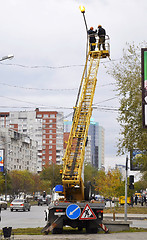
131 210
66 230
27 231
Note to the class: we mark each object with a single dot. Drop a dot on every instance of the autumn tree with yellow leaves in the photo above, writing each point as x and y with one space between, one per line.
109 184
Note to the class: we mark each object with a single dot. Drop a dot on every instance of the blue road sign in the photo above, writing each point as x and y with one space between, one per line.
73 211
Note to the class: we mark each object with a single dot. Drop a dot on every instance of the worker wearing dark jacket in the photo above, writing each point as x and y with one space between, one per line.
101 34
92 38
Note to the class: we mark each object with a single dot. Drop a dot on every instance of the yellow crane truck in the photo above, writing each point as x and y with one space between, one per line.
73 206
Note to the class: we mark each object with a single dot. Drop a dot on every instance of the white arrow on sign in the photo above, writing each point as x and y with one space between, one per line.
71 213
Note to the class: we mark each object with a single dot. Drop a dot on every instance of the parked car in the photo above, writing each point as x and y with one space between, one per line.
3 204
20 204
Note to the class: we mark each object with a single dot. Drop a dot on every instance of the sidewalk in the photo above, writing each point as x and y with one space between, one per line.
111 236
129 216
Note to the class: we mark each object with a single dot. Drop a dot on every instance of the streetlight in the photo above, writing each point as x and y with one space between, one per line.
82 9
10 56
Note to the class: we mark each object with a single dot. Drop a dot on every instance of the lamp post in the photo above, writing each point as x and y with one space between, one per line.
126 185
10 56
82 9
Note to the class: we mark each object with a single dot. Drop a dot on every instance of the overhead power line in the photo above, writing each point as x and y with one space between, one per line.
59 67
49 89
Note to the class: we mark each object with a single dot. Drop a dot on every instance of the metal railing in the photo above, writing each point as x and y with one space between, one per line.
98 45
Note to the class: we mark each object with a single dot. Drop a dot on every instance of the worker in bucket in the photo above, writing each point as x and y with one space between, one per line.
92 38
101 34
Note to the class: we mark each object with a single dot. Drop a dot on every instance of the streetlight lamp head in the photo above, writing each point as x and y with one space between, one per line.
82 9
10 56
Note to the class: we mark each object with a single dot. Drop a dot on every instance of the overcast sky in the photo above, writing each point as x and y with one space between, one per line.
48 40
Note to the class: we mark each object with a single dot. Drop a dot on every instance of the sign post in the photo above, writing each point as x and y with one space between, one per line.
144 85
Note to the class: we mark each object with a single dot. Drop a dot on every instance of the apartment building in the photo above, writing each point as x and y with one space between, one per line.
45 127
20 151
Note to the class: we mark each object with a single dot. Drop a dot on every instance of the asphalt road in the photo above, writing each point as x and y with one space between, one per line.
35 218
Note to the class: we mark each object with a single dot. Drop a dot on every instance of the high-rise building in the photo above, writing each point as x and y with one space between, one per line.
45 127
94 152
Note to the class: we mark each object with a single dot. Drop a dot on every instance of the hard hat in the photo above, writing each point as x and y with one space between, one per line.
91 28
99 26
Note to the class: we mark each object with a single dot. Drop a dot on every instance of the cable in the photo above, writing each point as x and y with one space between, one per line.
49 89
109 99
50 67
40 89
59 67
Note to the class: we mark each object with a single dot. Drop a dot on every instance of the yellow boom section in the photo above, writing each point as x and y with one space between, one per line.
75 151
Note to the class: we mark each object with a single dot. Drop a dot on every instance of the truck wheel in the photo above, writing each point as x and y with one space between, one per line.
57 230
88 191
91 230
46 232
80 229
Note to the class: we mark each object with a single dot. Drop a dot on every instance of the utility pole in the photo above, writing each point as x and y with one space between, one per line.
126 185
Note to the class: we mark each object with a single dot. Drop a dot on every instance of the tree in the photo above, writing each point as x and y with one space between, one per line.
52 174
109 184
21 181
2 183
127 74
90 174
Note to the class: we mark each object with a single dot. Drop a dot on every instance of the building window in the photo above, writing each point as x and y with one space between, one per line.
50 120
50 157
50 147
50 152
43 141
52 115
45 115
43 157
39 115
50 141
50 136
